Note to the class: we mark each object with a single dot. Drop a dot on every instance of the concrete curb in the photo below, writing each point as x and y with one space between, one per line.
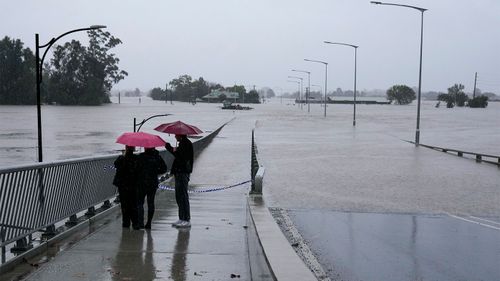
282 260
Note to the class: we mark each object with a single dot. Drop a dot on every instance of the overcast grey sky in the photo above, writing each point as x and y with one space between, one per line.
258 42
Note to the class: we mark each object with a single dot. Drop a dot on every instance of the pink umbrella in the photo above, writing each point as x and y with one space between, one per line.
178 128
140 139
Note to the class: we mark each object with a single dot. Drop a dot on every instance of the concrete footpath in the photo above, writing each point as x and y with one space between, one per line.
213 249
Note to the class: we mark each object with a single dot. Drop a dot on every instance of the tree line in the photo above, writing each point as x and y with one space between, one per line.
76 74
402 94
186 89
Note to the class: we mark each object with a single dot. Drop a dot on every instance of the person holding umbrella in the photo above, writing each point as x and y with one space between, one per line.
182 166
149 165
126 181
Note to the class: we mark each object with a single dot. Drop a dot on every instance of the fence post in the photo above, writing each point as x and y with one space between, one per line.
90 212
73 220
2 238
106 204
49 232
22 245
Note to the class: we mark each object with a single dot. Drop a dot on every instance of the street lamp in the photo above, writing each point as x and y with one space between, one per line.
301 88
422 10
308 88
145 120
39 68
326 77
355 59
298 85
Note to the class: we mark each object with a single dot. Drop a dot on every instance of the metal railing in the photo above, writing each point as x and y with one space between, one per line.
256 169
33 198
479 157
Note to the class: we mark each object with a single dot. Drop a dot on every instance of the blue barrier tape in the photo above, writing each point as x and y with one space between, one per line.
166 187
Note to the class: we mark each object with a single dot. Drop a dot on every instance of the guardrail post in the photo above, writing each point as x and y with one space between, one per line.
22 245
90 212
106 204
73 220
49 232
2 238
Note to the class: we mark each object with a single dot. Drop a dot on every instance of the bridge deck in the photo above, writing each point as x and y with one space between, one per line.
213 249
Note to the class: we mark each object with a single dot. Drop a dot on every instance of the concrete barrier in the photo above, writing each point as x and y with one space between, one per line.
273 250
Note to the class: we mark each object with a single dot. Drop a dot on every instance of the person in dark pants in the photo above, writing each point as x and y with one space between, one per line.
150 165
126 181
182 167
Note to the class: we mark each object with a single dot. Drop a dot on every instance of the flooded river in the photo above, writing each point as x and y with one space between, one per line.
328 175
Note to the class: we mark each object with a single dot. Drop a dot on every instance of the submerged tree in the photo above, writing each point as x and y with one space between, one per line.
479 101
455 97
456 92
80 75
182 87
402 94
17 73
253 97
157 94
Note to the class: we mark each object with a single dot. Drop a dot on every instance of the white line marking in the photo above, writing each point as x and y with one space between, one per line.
490 221
475 222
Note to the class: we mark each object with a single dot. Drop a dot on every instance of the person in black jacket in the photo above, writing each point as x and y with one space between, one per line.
182 167
126 181
150 165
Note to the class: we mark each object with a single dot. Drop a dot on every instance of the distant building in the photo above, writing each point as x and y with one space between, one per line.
216 95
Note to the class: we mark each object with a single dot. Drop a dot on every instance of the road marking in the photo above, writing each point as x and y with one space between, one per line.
490 221
475 222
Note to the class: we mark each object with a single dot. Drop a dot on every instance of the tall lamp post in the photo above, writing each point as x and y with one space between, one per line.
298 85
308 90
326 76
355 60
301 88
39 68
421 10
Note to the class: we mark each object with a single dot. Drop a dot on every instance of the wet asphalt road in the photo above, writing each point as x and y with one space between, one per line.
393 247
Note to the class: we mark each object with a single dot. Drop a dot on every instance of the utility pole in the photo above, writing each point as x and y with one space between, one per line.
474 92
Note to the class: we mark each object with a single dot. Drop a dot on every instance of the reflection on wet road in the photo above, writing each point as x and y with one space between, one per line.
178 268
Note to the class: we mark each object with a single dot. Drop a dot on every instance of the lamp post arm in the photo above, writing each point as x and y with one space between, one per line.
53 40
400 5
145 120
338 43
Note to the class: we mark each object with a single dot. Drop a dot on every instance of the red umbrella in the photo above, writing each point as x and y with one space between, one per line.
140 139
178 128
